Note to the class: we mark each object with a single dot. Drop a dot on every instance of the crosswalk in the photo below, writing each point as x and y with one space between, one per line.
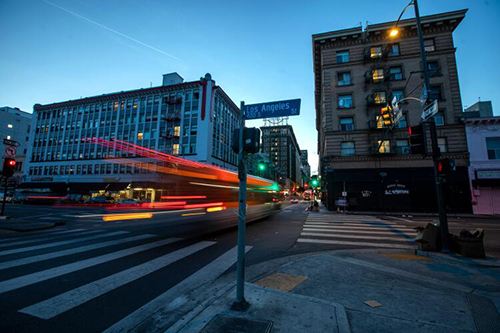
355 230
47 259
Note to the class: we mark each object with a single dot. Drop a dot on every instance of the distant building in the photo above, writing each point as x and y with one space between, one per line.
357 72
193 120
306 168
16 125
281 147
479 110
483 139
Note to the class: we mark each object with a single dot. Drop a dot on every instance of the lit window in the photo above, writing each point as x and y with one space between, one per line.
443 146
140 136
380 122
347 148
176 149
9 125
345 101
177 131
384 146
375 51
378 75
8 137
379 97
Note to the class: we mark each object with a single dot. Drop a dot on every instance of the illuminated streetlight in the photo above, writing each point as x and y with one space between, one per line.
394 32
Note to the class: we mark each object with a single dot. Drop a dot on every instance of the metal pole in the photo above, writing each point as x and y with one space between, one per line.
4 197
240 303
443 222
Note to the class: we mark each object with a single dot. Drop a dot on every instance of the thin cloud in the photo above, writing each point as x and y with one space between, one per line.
112 30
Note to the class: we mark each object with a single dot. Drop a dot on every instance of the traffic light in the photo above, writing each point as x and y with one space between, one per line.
251 140
387 116
417 139
9 167
445 166
314 181
261 166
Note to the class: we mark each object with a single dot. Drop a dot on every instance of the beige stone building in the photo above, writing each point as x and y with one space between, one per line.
357 72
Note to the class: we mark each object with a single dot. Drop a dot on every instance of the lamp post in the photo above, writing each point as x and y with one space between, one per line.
443 221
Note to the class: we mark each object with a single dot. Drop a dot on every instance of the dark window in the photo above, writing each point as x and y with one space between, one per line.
399 94
433 68
442 144
493 146
436 93
342 57
429 45
402 122
393 50
347 148
345 101
439 118
396 73
402 147
346 124
344 78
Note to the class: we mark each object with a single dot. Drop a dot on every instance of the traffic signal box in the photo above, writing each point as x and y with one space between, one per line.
445 166
387 116
251 140
314 181
9 167
417 139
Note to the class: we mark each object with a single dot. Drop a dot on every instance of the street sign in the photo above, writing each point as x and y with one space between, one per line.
10 143
344 194
273 109
430 110
10 151
423 96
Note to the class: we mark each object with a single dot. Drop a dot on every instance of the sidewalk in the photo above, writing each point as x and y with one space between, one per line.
25 225
328 292
415 214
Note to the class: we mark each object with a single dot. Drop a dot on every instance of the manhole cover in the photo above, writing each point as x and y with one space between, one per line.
237 325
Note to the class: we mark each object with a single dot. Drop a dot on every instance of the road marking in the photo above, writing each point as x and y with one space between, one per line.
37 240
47 274
47 256
360 232
366 224
335 242
356 237
167 301
70 241
357 226
56 305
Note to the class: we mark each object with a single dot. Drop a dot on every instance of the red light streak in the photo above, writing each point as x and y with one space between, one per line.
42 197
204 205
185 197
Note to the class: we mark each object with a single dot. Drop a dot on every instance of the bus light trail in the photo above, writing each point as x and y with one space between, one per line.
120 217
215 209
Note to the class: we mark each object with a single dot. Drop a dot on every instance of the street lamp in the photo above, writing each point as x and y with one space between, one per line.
443 222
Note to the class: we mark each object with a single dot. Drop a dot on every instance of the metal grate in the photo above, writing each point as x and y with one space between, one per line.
236 325
485 314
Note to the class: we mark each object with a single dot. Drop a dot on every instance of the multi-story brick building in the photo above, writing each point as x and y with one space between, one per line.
357 72
193 120
280 145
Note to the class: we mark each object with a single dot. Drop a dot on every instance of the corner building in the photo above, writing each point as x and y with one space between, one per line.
357 72
192 120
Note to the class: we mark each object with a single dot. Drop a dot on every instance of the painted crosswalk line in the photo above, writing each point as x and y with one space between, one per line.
52 255
336 242
65 242
166 302
356 227
73 298
381 232
43 237
26 280
394 239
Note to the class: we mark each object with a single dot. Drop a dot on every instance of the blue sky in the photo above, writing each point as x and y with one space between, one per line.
256 50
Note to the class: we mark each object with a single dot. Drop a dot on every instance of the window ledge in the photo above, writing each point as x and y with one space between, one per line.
344 85
350 108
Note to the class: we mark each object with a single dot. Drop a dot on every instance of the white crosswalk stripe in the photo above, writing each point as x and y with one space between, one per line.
38 239
64 302
363 231
70 241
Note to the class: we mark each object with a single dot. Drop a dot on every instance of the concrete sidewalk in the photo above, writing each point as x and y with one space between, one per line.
357 291
26 225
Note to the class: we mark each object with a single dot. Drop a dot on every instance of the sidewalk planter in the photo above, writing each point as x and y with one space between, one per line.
469 244
427 238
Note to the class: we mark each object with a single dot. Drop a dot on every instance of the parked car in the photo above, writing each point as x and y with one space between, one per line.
129 203
101 200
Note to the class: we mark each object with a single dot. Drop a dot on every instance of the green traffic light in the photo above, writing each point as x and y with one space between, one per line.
262 166
315 183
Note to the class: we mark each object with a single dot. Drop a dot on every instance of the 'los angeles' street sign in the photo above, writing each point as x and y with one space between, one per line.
273 109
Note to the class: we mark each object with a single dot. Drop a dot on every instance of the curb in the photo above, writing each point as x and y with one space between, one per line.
451 257
42 227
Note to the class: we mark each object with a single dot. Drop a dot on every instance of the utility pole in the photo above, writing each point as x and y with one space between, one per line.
443 221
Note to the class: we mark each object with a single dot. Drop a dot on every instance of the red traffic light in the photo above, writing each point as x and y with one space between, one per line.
12 162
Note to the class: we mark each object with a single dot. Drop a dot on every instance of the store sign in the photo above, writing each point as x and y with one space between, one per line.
488 174
41 179
396 189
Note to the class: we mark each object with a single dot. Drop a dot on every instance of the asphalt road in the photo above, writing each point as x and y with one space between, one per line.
90 274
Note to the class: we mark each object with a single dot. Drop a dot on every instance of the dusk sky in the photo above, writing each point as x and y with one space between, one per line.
256 51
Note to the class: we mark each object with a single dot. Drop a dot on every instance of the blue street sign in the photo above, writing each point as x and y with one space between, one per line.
273 109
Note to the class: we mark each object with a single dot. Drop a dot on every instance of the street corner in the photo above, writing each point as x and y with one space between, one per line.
270 308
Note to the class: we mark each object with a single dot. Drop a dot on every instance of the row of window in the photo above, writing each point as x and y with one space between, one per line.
346 124
348 148
91 169
378 51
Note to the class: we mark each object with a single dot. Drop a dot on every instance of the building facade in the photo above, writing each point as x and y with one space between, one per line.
306 168
483 138
193 120
357 73
281 147
479 110
16 125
